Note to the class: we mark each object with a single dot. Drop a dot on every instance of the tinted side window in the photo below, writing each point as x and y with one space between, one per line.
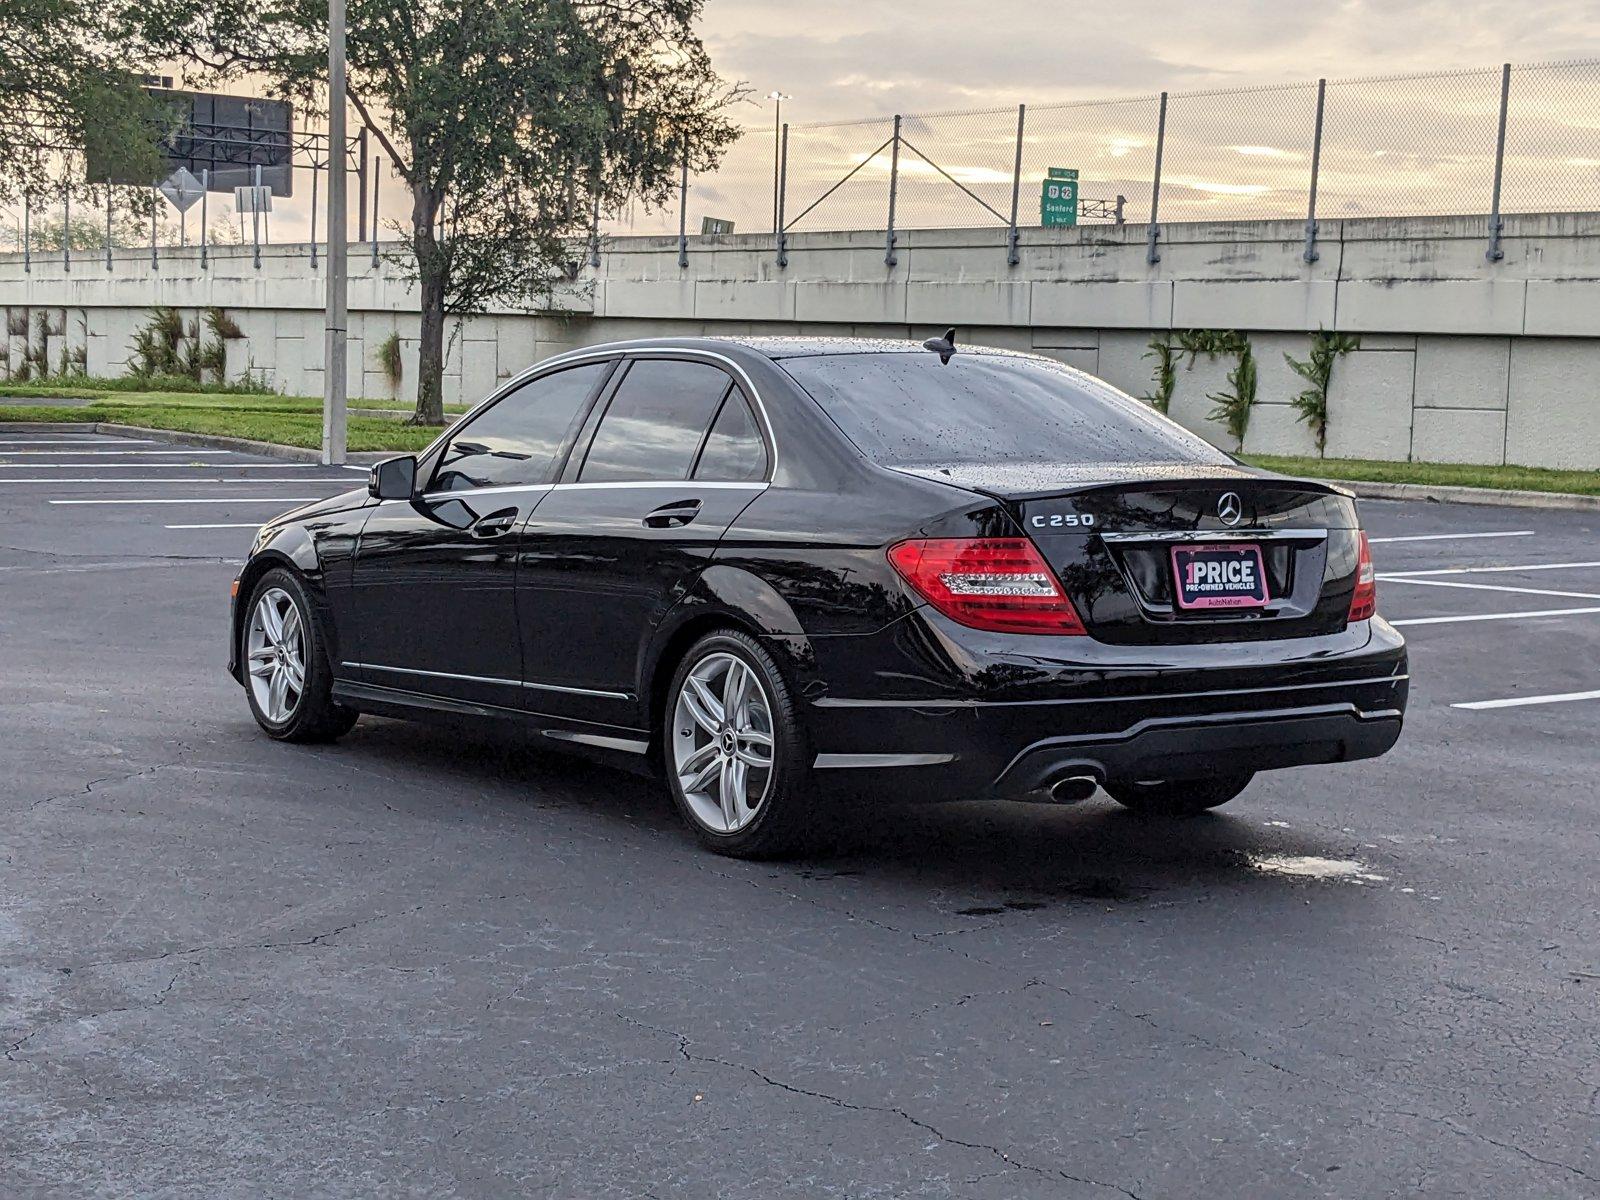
734 450
517 439
655 422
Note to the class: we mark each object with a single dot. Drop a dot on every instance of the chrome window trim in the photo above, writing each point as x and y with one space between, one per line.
516 683
573 358
687 484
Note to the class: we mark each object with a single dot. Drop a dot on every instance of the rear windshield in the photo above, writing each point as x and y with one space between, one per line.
909 410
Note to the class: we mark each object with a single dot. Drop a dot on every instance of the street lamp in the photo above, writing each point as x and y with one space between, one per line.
777 134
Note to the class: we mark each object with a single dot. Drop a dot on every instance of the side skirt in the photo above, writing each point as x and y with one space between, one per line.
618 745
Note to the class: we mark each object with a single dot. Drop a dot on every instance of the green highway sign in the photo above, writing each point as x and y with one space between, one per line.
1058 197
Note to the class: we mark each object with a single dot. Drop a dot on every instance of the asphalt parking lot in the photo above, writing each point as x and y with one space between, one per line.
417 963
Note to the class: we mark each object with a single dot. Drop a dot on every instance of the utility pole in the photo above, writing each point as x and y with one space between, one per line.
777 139
334 414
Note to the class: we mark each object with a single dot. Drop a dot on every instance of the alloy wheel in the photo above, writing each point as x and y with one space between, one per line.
722 743
275 655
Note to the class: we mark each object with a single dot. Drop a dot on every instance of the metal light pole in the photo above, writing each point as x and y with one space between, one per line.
777 140
334 414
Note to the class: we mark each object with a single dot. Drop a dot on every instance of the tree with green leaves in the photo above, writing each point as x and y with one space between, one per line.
65 88
512 123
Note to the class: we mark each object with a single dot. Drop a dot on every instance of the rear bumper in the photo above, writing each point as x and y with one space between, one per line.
1344 702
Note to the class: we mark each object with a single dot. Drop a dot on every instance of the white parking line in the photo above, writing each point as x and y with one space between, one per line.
204 500
1451 537
160 466
245 525
85 440
1519 701
109 453
1506 616
207 479
1489 570
1488 587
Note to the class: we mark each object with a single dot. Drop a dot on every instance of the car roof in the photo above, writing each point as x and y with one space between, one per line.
792 347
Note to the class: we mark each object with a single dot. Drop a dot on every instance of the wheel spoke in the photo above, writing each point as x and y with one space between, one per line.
295 673
271 620
261 662
735 689
291 628
704 774
731 786
277 698
702 705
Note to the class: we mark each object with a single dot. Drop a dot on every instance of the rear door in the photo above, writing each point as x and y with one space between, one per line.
434 576
669 458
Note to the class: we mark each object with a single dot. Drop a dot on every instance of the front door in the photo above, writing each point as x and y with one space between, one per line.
435 576
674 457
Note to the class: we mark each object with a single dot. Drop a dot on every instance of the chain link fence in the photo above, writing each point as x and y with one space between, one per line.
1412 145
1478 142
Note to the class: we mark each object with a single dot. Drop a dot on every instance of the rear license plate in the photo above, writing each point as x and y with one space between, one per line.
1223 576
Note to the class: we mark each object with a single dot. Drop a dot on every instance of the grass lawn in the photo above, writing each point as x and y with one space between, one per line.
1522 479
185 397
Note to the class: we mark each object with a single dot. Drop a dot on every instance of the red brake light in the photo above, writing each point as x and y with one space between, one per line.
1000 584
1364 604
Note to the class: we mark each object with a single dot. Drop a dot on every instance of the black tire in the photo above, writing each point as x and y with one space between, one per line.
1177 797
315 716
783 822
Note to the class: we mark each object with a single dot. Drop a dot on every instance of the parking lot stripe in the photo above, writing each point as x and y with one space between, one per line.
1489 587
1451 537
160 466
86 440
203 500
108 453
1487 570
1505 616
207 479
244 525
1519 701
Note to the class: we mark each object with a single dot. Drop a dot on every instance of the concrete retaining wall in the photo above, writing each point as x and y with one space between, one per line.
1461 359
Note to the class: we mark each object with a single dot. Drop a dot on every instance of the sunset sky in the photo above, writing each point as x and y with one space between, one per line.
848 58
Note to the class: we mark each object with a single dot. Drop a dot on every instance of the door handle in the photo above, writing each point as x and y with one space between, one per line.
672 516
495 524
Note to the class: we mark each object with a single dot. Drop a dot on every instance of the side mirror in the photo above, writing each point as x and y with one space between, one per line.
393 478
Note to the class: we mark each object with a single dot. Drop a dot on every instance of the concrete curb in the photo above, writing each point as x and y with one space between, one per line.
1446 494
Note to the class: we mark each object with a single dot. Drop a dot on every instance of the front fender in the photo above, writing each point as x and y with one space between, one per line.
292 546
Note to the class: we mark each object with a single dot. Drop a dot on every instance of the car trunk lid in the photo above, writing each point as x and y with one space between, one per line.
1176 552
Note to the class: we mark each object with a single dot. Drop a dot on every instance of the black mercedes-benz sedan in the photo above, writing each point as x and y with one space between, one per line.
782 572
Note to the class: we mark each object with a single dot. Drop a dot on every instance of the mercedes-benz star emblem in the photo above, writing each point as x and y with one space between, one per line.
1230 508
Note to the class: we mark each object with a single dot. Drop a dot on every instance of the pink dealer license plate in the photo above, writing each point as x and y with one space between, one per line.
1222 576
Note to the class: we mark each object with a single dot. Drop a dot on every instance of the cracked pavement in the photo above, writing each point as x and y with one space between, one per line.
428 963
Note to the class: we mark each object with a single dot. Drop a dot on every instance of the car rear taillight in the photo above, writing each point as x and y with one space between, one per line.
1000 584
1364 604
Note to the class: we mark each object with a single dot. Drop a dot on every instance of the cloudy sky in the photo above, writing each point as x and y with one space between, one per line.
845 58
